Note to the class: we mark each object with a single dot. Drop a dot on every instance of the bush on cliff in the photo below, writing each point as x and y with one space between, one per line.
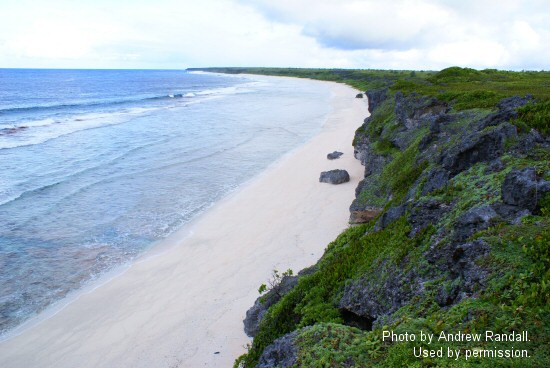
450 251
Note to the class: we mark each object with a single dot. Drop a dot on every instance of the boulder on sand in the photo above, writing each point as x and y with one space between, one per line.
334 176
334 155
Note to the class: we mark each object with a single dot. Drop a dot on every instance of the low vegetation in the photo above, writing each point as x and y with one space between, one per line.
504 287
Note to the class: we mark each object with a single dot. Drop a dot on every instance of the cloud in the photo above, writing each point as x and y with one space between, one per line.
355 25
446 32
397 34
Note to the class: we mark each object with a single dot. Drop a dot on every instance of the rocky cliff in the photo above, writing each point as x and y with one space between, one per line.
452 234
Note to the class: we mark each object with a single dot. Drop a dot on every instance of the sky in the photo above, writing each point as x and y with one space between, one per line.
365 34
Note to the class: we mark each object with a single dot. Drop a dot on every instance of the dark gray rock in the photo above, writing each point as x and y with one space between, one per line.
464 265
506 111
514 102
334 155
282 353
478 147
390 216
257 312
436 122
334 176
359 95
436 179
476 219
523 188
415 110
360 186
387 289
373 162
376 97
447 294
426 212
426 141
494 166
460 262
512 214
527 143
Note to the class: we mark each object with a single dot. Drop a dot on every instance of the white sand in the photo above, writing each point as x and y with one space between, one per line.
184 303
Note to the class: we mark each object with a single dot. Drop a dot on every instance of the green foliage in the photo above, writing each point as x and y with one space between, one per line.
471 99
274 281
335 345
536 116
464 87
515 295
544 205
456 74
403 171
314 299
534 283
384 147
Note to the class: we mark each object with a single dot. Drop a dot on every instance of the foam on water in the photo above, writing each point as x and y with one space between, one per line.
89 185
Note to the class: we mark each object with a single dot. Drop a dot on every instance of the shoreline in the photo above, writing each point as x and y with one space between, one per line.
184 300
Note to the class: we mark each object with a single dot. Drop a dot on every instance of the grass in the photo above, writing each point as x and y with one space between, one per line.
516 294
536 116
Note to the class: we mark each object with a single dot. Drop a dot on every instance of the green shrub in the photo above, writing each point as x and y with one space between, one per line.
536 116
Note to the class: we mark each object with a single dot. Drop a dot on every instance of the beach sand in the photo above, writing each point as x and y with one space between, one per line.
182 305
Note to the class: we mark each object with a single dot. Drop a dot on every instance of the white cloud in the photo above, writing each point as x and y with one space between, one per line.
439 33
398 34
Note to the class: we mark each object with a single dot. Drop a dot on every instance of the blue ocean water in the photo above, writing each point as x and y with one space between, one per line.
97 165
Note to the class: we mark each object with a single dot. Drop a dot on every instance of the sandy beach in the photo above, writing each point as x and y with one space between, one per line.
183 303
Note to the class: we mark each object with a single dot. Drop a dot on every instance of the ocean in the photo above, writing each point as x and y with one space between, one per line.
98 165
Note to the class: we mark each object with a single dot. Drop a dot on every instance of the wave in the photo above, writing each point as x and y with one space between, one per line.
84 104
109 163
42 130
115 101
46 126
28 193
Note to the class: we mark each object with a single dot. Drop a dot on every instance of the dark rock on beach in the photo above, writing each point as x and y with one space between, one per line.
359 95
334 176
334 155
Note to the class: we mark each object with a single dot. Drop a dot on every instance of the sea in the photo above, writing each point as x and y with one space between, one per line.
96 166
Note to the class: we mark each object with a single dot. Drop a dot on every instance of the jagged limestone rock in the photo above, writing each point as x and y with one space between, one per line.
474 220
477 147
282 353
523 188
376 97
